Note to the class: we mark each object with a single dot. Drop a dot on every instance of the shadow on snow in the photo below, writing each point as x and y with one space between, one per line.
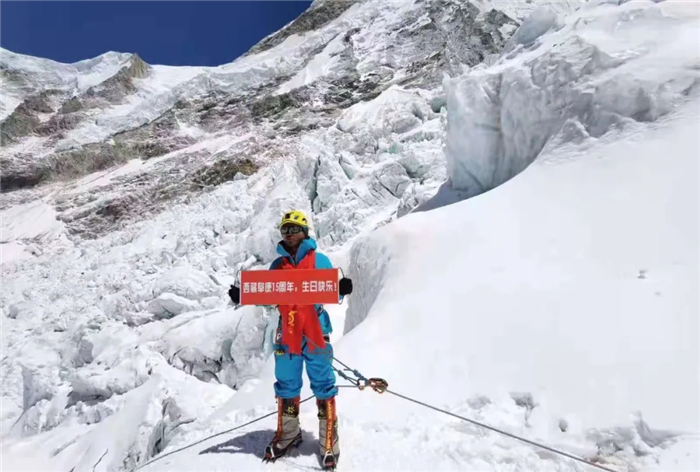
254 443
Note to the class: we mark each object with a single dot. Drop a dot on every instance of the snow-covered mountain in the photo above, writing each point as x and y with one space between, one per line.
197 127
550 306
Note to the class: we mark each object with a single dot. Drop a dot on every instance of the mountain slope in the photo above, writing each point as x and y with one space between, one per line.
263 102
118 340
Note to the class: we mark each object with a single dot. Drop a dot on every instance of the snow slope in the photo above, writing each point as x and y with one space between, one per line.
38 73
34 222
576 281
558 300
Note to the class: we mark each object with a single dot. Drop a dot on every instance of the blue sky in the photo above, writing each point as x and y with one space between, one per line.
162 32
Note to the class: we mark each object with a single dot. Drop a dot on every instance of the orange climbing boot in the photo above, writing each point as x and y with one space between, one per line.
328 433
288 433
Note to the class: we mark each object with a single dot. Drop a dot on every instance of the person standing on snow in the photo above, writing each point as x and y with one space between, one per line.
303 336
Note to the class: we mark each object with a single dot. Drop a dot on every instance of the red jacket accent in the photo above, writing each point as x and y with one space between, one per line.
300 320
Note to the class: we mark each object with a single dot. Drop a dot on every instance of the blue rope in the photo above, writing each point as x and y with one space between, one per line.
342 374
355 381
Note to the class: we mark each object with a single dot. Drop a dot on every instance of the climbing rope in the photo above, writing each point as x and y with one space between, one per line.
375 383
506 433
380 385
241 426
157 458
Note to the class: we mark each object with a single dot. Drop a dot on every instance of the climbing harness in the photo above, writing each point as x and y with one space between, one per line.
380 385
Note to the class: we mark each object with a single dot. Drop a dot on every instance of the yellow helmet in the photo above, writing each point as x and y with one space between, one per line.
296 218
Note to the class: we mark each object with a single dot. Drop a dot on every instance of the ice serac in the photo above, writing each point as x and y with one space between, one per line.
565 81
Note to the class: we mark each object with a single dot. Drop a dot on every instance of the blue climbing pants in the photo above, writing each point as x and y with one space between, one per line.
288 369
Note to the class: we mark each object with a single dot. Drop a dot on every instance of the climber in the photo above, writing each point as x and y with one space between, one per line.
298 251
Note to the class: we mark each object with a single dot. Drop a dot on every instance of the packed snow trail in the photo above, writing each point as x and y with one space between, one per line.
380 386
505 433
254 441
228 431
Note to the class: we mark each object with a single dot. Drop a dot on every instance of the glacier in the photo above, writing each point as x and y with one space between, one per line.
526 215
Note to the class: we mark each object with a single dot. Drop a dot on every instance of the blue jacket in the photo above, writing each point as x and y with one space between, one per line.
322 262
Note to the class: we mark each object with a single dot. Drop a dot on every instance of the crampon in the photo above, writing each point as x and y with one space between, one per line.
272 452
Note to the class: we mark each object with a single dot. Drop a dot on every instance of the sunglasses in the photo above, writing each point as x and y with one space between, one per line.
291 229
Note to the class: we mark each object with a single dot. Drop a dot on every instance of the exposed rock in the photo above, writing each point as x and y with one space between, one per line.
72 105
223 171
40 103
14 177
273 105
94 157
112 90
23 121
13 76
137 69
58 123
145 143
319 14
20 123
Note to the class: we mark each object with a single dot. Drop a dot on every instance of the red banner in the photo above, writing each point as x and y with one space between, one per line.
289 287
